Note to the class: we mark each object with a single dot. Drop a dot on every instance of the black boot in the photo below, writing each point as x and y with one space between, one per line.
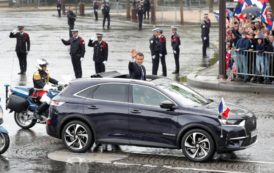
40 110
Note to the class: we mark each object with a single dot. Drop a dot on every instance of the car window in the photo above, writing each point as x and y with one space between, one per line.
111 92
87 93
185 95
147 96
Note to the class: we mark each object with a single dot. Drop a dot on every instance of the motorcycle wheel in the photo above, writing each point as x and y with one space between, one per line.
4 142
24 120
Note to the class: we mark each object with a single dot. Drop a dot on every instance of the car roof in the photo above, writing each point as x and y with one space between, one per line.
114 76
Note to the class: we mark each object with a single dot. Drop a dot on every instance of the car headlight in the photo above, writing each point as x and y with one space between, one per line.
231 122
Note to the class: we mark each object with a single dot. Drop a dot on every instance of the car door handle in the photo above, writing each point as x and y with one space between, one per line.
135 112
92 107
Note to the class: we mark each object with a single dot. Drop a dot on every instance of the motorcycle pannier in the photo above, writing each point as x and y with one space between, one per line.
17 104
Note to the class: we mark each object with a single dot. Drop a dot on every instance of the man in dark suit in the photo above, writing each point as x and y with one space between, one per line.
136 69
22 47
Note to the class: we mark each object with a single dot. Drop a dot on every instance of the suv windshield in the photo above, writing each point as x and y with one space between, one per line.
184 95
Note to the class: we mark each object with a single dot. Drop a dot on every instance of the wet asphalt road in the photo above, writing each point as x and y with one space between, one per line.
29 148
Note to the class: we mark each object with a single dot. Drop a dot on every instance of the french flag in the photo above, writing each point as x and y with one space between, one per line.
242 4
267 20
223 109
259 3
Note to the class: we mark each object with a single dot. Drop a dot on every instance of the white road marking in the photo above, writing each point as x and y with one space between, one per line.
204 170
251 161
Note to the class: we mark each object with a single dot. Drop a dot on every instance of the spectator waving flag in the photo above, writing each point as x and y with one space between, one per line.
223 109
242 4
267 19
258 3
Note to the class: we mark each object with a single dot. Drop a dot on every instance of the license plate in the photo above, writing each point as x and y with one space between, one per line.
253 133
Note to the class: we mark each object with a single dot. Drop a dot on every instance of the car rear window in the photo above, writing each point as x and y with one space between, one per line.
107 92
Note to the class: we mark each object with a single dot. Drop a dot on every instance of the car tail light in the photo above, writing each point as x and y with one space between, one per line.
49 122
56 103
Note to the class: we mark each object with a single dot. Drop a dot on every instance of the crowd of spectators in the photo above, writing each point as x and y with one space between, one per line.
249 50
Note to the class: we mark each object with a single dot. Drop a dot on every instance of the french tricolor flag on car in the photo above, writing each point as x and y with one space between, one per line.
223 109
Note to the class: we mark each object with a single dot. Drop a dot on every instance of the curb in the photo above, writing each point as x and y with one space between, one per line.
226 86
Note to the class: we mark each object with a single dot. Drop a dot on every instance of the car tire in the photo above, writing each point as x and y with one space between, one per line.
198 145
77 137
6 142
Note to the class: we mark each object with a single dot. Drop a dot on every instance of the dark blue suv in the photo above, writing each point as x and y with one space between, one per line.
156 113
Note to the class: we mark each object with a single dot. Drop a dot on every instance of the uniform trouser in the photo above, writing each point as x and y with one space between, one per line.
163 62
204 47
106 17
59 13
96 14
77 67
207 42
176 58
70 28
22 57
155 64
146 13
100 67
140 19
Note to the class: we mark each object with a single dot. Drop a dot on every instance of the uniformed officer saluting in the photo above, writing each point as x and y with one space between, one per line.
77 51
100 55
175 43
22 47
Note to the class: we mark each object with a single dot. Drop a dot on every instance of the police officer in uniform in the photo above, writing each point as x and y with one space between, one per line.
77 51
140 16
59 6
71 20
205 26
155 50
146 8
41 79
96 8
22 47
175 44
106 11
100 55
163 52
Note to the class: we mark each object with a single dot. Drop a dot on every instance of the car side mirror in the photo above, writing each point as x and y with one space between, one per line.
168 105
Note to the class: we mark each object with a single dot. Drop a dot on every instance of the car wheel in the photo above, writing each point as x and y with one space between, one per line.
198 145
24 120
77 136
4 142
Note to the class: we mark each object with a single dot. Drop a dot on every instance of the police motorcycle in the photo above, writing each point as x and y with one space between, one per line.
25 101
4 136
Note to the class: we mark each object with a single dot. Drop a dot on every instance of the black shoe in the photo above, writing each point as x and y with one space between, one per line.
20 73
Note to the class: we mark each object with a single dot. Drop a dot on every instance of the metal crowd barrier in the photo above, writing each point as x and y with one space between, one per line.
251 57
